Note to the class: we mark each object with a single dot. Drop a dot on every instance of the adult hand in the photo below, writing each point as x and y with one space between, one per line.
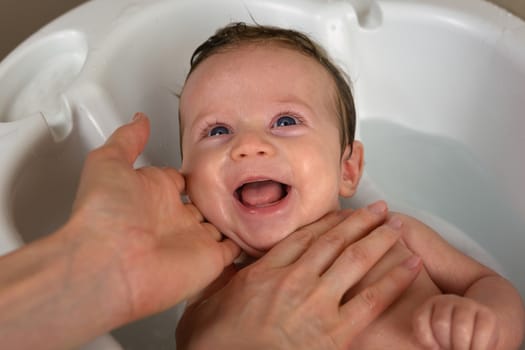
292 297
162 247
131 248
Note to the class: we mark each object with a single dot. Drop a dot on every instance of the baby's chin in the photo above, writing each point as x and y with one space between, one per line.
251 250
259 240
256 251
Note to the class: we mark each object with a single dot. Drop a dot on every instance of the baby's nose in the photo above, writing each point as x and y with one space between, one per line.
251 144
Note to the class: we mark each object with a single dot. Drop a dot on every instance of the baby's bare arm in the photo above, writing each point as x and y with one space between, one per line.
455 273
501 297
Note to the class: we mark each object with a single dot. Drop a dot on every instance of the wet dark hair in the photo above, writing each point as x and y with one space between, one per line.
238 34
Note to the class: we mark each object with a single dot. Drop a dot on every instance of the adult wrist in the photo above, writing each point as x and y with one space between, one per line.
93 270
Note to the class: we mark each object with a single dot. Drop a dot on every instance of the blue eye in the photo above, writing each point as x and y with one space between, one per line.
218 130
285 120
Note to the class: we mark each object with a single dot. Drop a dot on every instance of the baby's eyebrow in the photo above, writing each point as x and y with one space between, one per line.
291 98
198 122
188 126
295 103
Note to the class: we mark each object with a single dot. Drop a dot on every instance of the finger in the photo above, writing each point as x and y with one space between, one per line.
292 247
441 324
462 329
195 213
423 327
358 259
213 231
362 309
484 335
177 178
230 251
215 286
129 140
328 247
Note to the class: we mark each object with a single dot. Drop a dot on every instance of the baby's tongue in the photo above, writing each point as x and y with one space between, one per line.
261 193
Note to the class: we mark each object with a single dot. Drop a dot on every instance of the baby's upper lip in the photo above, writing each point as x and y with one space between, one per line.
252 179
257 172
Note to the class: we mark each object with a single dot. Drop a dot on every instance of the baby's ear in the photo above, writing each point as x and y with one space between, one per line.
351 169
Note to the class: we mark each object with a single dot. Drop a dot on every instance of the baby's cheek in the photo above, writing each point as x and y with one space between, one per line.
212 209
326 198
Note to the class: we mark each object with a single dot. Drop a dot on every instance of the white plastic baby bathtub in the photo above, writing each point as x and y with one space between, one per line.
439 87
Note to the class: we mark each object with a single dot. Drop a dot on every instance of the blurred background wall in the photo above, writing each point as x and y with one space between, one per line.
20 18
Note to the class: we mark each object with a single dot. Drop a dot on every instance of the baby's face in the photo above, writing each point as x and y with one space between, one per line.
261 148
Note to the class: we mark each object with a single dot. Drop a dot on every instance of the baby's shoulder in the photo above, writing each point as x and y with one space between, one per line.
413 228
424 241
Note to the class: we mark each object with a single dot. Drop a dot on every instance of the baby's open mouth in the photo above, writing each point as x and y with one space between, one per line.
260 194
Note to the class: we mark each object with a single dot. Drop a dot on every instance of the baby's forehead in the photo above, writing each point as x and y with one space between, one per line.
258 64
259 55
268 46
264 63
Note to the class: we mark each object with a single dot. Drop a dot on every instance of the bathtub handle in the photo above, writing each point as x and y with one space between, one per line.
368 12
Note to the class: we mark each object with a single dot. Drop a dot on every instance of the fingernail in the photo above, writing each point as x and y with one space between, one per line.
377 207
412 262
137 116
394 223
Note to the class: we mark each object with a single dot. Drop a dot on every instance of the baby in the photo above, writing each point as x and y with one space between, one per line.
267 132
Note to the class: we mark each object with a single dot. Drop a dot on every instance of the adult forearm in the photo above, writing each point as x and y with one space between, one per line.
131 248
56 294
497 293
